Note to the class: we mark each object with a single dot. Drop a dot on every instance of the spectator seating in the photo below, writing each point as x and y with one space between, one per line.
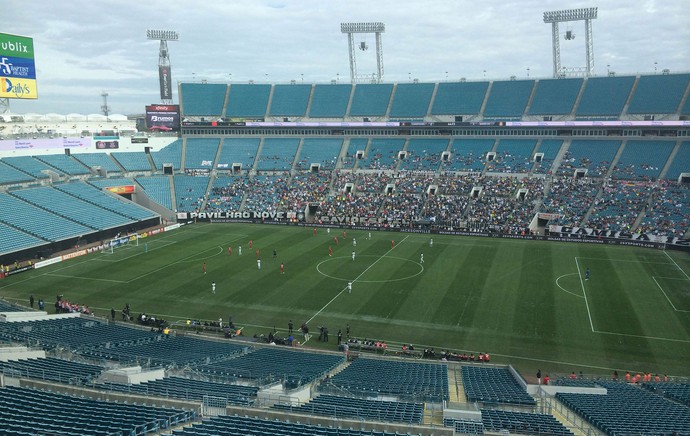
324 151
685 110
522 423
493 385
372 410
12 239
424 154
202 99
51 369
266 365
266 193
571 198
133 160
158 189
330 101
243 426
612 413
356 144
111 202
411 100
371 100
170 154
642 160
30 165
555 96
101 183
7 307
248 101
460 98
382 154
290 100
408 380
680 163
619 205
100 159
594 155
238 150
658 94
464 426
277 154
226 193
574 382
10 175
468 154
512 156
508 99
71 207
65 164
187 389
31 411
550 148
679 392
161 350
201 153
668 214
305 188
43 224
190 192
604 96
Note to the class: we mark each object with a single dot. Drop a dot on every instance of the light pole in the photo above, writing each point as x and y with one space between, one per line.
302 76
528 72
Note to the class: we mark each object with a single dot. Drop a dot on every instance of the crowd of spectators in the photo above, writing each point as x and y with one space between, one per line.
594 169
267 193
228 196
64 306
306 188
570 198
668 213
619 205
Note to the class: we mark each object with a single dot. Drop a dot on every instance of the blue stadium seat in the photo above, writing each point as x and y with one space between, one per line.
158 189
371 100
604 96
241 151
555 97
290 100
170 154
411 100
248 101
277 154
659 94
330 101
464 98
201 153
103 160
508 99
202 99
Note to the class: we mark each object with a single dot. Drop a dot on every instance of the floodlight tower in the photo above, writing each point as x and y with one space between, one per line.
104 107
581 14
377 29
164 74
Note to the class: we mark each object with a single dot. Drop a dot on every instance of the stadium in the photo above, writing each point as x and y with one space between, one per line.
503 256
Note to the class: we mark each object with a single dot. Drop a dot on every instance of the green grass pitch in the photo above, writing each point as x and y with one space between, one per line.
525 302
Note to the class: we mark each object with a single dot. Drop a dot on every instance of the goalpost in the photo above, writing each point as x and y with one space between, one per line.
116 243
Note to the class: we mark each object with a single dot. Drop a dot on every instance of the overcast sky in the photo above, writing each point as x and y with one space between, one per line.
86 47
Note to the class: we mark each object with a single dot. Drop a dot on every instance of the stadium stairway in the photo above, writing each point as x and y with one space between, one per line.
455 389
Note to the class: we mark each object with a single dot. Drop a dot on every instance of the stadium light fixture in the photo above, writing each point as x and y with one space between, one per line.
579 14
162 35
164 68
376 28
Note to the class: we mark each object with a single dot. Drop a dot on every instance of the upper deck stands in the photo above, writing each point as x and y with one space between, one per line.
660 94
604 96
202 99
170 154
64 163
508 99
382 154
411 100
680 163
324 151
468 154
290 100
99 159
277 154
371 100
642 160
555 97
30 166
9 175
330 101
424 154
248 101
463 98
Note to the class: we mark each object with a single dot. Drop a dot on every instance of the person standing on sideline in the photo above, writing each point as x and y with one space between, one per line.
347 330
587 274
353 255
282 268
112 314
239 250
539 376
421 258
330 250
258 264
290 326
349 287
203 267
31 301
213 287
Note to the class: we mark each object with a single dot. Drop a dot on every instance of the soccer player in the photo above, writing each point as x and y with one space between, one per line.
353 255
251 243
431 242
328 230
314 231
354 242
213 287
258 264
203 267
282 268
335 239
330 250
344 234
421 258
258 253
587 274
369 235
229 251
349 287
239 250
392 244
275 254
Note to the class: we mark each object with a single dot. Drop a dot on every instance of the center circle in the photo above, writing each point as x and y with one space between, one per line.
334 275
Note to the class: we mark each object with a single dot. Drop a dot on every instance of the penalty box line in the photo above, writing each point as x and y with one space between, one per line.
353 281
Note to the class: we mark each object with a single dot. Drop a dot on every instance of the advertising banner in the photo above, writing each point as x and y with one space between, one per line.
165 79
17 67
163 117
45 143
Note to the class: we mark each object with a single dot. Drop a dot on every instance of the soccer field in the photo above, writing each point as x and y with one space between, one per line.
527 303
